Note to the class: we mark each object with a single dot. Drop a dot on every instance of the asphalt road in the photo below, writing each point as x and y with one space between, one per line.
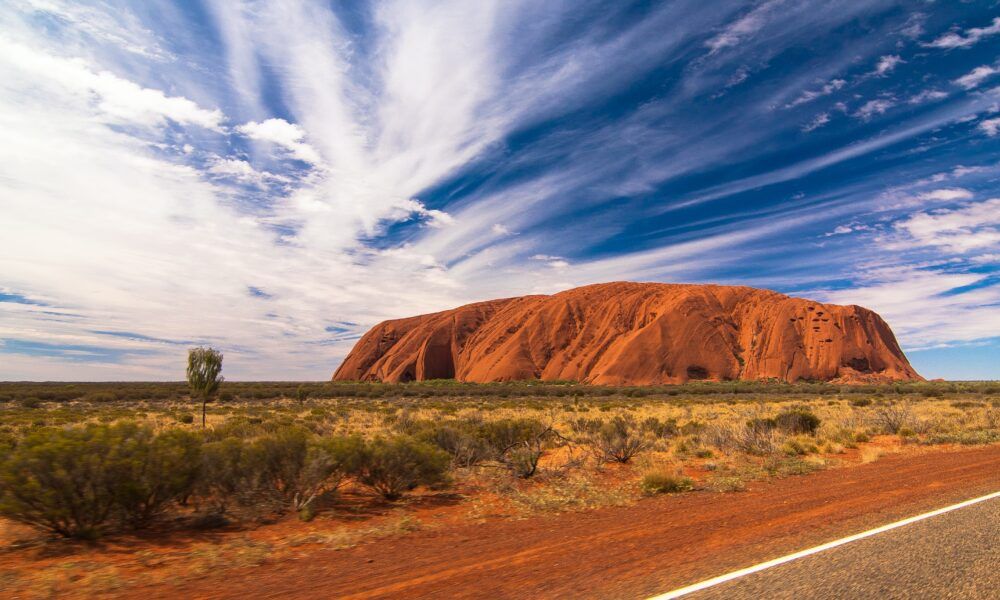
953 555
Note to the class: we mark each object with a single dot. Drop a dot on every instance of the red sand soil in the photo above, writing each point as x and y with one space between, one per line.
634 334
654 546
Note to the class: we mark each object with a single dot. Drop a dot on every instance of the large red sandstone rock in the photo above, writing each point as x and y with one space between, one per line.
634 334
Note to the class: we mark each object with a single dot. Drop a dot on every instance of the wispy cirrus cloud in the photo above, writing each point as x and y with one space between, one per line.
964 39
977 76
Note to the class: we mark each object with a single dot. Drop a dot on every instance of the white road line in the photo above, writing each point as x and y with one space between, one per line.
784 559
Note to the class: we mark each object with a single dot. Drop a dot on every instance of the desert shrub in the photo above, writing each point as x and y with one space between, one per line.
517 443
966 404
755 436
777 466
98 397
728 484
243 427
393 466
659 482
861 402
890 418
228 472
153 471
460 441
302 394
794 447
299 469
762 424
70 481
187 419
658 428
692 428
31 403
797 421
618 440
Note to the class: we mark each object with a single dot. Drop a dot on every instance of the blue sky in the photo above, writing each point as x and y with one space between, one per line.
272 178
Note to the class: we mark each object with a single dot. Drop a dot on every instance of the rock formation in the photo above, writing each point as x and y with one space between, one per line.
634 334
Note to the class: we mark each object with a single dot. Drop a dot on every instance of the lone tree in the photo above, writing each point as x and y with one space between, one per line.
204 375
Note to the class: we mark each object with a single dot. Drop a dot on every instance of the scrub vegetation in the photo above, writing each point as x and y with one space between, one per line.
357 462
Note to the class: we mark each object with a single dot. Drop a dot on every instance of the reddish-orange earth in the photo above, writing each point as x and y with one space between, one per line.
634 334
633 552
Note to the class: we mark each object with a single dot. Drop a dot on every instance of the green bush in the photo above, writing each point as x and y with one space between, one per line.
393 466
797 421
517 443
101 397
660 429
460 441
618 440
69 481
299 468
153 471
664 483
228 473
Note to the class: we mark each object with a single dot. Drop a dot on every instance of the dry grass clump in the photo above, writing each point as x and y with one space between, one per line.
663 482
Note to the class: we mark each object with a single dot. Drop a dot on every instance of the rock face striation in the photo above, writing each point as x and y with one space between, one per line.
634 334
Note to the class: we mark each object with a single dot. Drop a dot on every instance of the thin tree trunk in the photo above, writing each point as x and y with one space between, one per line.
204 401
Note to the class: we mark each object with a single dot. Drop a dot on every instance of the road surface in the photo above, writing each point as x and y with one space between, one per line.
950 555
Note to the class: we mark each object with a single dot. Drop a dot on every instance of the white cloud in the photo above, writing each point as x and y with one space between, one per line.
990 126
809 95
744 27
945 195
242 171
887 63
435 218
960 230
962 170
499 229
959 39
117 99
118 27
986 259
287 135
914 26
820 120
973 78
555 262
874 107
927 96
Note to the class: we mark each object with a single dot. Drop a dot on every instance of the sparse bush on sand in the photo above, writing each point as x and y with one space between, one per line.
74 482
80 460
394 466
659 482
890 418
797 421
517 443
618 440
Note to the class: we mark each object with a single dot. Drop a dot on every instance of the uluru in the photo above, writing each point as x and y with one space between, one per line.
626 333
